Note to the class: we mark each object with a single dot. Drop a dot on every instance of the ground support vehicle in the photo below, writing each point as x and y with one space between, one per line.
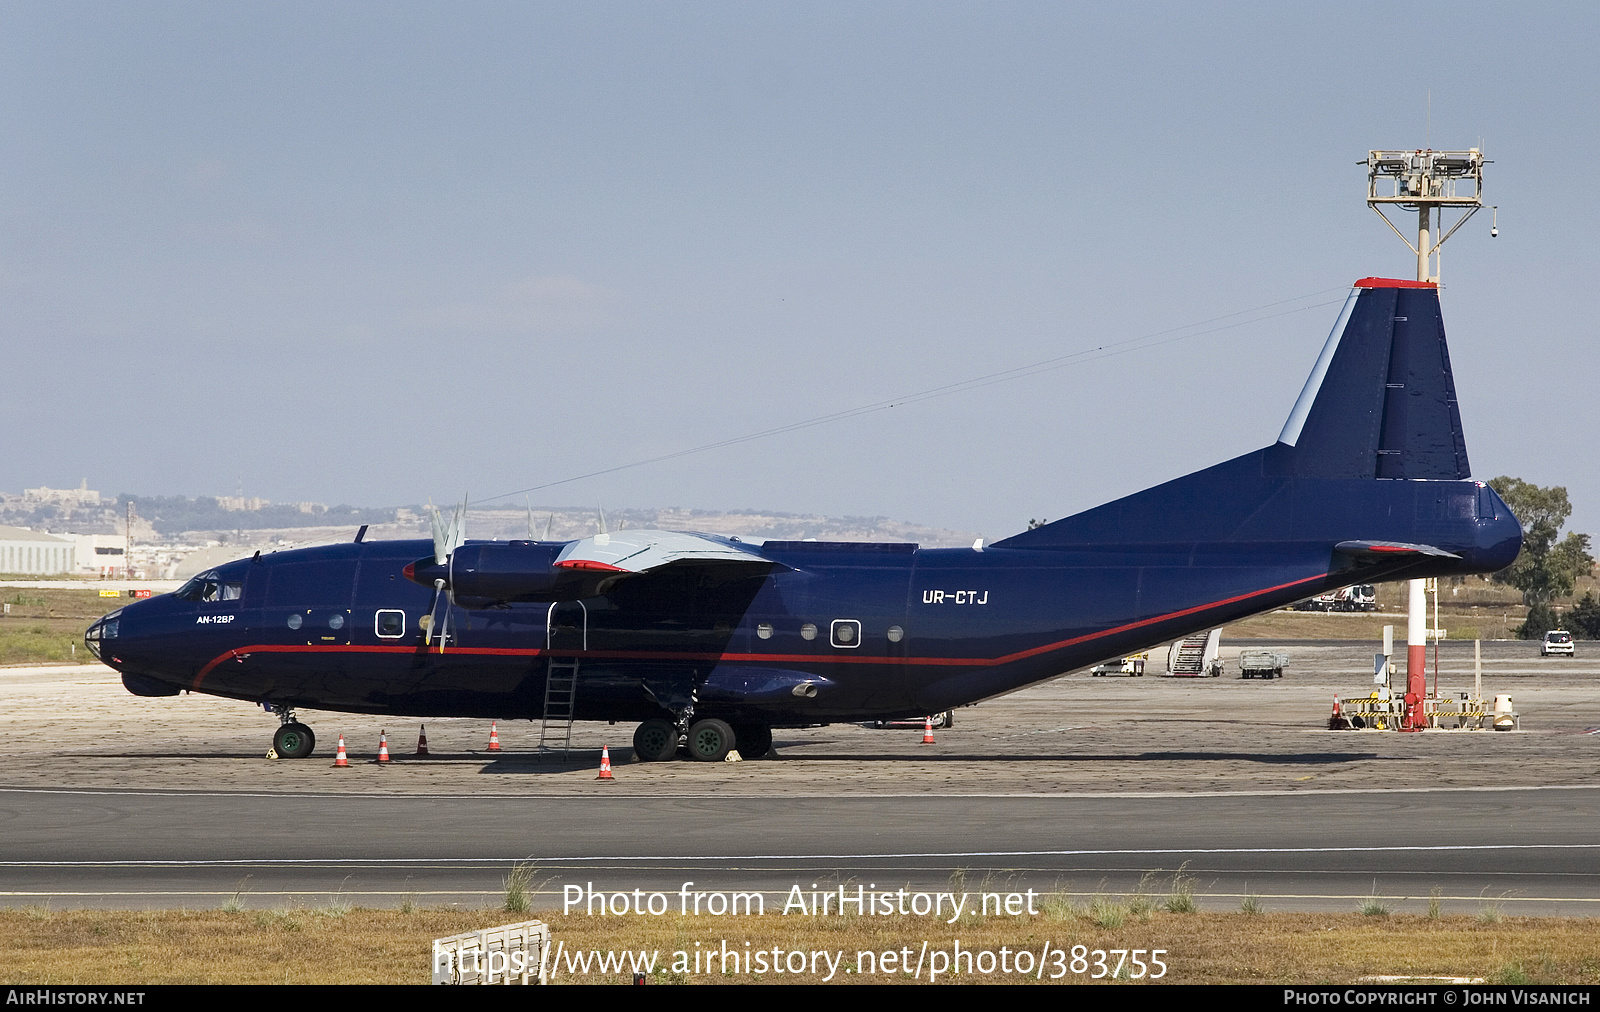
1381 712
1361 597
941 721
1197 656
1262 664
1132 666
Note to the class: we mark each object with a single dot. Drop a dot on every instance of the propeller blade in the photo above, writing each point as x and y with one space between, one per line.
444 633
448 536
433 619
441 549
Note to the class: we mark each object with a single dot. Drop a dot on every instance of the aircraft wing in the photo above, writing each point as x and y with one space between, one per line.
643 550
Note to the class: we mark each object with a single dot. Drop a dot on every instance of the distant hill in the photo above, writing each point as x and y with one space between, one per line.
171 515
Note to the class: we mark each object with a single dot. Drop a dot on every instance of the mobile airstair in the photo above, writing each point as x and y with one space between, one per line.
1197 656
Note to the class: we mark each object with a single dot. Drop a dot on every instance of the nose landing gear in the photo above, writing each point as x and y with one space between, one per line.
292 740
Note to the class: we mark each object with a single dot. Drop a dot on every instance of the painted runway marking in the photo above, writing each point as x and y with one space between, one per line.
725 795
921 855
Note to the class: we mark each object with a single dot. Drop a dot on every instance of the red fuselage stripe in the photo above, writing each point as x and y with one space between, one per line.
667 655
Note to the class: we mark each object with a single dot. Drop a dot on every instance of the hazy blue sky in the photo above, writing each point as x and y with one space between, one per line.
374 253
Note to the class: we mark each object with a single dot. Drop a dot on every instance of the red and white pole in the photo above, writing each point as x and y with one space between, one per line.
1417 599
1416 655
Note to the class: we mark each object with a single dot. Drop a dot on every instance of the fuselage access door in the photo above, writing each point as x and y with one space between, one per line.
566 636
567 628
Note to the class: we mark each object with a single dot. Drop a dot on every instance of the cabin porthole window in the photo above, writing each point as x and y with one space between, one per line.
389 624
896 634
808 631
295 621
845 633
764 630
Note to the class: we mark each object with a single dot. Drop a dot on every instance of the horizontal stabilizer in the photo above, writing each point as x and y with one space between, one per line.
1389 550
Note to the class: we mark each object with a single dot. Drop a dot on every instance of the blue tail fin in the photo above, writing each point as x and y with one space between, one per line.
1381 402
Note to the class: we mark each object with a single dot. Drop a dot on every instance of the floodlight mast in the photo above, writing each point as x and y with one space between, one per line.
1427 182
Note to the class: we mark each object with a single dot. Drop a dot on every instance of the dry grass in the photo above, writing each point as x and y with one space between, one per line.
1311 625
70 603
335 945
1470 608
42 642
46 625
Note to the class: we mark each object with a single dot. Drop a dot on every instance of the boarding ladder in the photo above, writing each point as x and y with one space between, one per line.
1191 659
560 702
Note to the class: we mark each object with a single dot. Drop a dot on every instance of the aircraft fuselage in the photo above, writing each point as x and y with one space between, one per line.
832 631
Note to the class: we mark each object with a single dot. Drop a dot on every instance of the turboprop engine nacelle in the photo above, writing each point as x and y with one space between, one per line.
507 571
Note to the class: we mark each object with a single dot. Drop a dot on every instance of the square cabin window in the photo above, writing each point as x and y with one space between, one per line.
391 625
846 633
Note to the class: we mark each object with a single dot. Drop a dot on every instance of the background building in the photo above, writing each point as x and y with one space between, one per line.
81 497
100 554
35 553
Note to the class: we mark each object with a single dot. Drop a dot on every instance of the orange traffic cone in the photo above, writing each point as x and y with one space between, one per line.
494 737
605 764
1337 722
422 741
927 731
341 759
383 746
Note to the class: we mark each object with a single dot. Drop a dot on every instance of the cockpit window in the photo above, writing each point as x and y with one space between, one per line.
209 588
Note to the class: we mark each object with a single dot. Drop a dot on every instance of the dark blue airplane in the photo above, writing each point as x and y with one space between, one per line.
717 641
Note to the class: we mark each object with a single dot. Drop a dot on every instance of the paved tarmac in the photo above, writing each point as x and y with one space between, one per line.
1089 785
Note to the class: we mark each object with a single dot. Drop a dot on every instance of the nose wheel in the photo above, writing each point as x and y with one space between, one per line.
293 741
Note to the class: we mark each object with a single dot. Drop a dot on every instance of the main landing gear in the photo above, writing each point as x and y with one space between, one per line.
292 740
708 740
656 740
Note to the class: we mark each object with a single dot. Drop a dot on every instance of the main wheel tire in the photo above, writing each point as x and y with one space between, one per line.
710 740
655 740
753 740
293 741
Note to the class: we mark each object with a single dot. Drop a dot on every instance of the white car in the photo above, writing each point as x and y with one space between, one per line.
1557 642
